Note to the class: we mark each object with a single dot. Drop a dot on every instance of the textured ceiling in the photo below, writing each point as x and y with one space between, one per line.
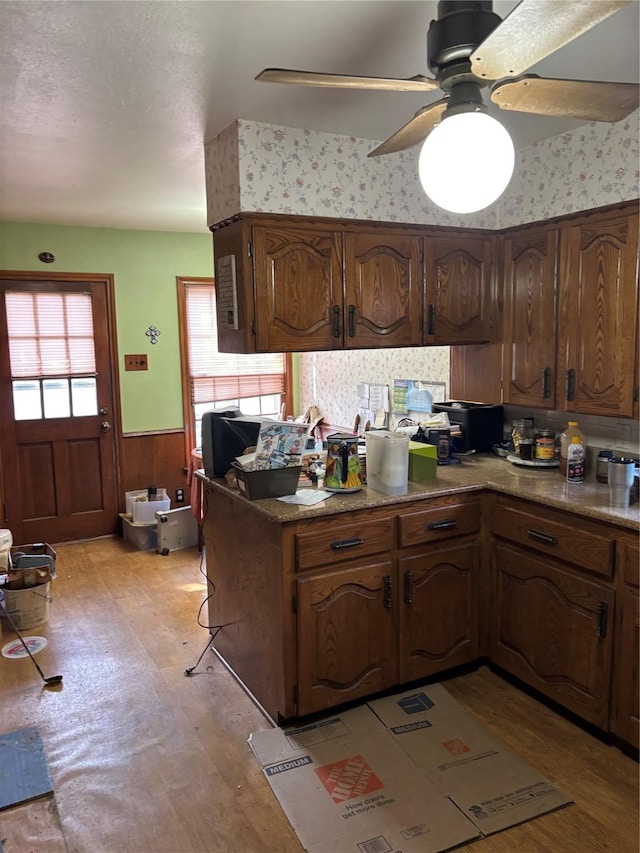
105 106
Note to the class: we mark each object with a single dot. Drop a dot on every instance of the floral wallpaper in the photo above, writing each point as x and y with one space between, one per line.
329 379
594 165
252 166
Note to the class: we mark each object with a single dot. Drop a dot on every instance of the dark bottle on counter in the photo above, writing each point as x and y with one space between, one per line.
602 466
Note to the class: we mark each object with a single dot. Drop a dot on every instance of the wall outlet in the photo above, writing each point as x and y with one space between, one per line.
623 435
179 496
136 362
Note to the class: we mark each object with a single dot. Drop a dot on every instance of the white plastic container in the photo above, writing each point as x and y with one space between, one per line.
140 496
387 461
6 541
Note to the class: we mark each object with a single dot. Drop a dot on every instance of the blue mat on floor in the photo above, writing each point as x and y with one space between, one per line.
24 774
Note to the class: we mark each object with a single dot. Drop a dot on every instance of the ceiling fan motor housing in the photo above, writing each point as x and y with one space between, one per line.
461 26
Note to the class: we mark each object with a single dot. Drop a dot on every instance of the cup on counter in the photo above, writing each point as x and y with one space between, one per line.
525 448
620 474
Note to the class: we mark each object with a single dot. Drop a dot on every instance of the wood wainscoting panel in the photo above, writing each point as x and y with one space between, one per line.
154 459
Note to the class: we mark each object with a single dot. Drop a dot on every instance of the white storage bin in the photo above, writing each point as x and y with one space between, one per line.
144 537
387 461
132 497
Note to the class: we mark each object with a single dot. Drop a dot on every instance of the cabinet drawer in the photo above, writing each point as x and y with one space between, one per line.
329 544
439 522
550 535
628 555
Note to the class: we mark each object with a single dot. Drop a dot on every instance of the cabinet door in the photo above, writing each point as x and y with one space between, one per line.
530 318
597 333
383 289
625 715
438 610
298 289
458 289
551 629
346 635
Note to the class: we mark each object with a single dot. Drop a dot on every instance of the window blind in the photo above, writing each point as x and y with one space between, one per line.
224 376
50 334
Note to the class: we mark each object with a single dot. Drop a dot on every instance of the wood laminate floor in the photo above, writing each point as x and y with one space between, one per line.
146 760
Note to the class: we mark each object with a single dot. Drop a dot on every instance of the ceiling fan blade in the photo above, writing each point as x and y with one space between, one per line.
414 131
581 99
535 29
346 81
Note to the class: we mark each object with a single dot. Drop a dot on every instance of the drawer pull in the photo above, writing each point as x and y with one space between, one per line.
352 321
347 543
387 591
546 382
431 320
445 524
542 537
571 385
408 588
603 613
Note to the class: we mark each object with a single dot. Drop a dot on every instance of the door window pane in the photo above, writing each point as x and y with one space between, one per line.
26 400
84 396
55 393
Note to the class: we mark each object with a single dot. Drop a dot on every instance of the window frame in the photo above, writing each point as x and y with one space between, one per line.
187 410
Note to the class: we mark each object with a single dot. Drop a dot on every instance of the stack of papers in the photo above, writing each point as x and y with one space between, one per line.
280 445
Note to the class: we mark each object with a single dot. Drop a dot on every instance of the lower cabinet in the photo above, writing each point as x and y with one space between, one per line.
438 617
346 635
625 688
551 628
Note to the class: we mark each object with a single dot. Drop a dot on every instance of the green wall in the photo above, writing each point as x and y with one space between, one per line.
144 265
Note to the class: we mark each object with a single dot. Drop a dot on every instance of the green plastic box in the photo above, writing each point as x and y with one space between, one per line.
423 461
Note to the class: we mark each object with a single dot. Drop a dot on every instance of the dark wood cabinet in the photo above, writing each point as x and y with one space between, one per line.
625 714
529 270
298 289
383 290
438 610
570 330
346 635
458 292
598 314
551 629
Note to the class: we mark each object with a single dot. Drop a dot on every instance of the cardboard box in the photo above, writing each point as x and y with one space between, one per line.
414 772
491 786
423 461
346 786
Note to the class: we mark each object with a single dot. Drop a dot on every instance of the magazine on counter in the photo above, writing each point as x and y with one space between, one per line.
280 444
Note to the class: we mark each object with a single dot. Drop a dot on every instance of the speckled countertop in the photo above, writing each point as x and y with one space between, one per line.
590 499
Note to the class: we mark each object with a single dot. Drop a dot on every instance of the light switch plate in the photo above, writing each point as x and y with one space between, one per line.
136 362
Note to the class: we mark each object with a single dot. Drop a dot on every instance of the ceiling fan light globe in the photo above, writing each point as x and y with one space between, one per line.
466 162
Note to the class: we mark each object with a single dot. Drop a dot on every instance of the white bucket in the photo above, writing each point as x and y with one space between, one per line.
28 608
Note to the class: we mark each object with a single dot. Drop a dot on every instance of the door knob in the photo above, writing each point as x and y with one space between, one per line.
105 426
103 411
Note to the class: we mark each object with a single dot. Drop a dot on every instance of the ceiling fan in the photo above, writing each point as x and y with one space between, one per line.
469 48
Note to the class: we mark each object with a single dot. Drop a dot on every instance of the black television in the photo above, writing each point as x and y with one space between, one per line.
226 435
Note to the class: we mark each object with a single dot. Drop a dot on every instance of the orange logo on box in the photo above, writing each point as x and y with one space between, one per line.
455 746
348 779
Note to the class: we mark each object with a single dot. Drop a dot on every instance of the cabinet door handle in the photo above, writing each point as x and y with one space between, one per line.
352 321
542 537
571 384
445 524
408 588
603 614
387 591
431 320
337 315
546 382
347 543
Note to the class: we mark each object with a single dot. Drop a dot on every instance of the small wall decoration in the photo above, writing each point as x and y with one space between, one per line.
46 257
153 334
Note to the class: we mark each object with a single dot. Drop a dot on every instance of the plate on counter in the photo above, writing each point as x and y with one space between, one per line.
533 463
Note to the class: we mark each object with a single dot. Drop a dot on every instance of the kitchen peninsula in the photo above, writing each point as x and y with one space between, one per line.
364 592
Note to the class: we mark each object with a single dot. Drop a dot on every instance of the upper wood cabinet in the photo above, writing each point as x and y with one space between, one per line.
383 289
529 279
459 273
298 289
598 314
296 285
